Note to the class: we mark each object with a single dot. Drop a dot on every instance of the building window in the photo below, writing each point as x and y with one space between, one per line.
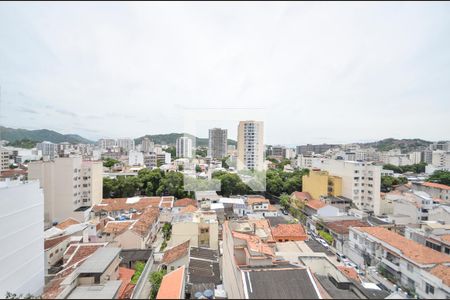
410 268
429 288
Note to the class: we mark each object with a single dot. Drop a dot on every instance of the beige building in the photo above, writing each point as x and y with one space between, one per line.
201 228
250 145
71 186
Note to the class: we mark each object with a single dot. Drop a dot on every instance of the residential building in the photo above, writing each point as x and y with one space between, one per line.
217 143
48 150
182 203
441 145
147 145
415 267
176 257
278 152
200 227
435 190
441 159
173 285
4 159
22 238
126 144
106 144
259 205
410 207
250 145
125 208
308 149
289 232
71 186
135 158
203 272
252 265
184 147
432 234
360 182
320 183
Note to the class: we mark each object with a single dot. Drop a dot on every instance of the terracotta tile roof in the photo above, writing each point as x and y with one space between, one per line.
442 272
189 209
127 292
446 238
125 275
13 172
175 253
118 204
50 243
302 195
412 250
288 230
172 285
146 220
436 185
315 204
254 243
80 252
255 200
349 272
342 227
67 222
117 227
265 225
185 202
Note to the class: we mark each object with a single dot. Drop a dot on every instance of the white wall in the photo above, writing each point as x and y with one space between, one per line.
21 238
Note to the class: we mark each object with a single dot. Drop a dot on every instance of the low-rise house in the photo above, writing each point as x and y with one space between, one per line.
403 261
134 234
436 190
176 257
203 272
440 213
234 207
131 256
339 230
410 207
261 206
173 285
434 235
200 227
182 203
54 249
124 208
289 232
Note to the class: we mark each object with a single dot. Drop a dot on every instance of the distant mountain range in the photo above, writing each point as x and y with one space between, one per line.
17 136
170 139
40 135
406 145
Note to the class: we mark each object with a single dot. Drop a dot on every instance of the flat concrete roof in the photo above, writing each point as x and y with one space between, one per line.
99 291
99 261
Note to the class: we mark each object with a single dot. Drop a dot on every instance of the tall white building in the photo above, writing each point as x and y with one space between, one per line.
21 238
440 159
218 143
48 149
184 147
147 145
250 145
135 158
106 143
4 159
71 186
126 144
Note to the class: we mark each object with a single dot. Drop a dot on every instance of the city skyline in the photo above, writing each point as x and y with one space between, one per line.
333 73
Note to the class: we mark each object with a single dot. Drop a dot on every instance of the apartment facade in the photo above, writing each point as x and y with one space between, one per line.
126 144
217 143
184 147
4 159
22 238
135 158
71 186
147 145
413 266
320 183
250 145
48 150
106 144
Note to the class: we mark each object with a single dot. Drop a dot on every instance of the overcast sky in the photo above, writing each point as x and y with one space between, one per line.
314 73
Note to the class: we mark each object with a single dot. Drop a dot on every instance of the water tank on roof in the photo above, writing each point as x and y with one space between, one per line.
198 295
208 294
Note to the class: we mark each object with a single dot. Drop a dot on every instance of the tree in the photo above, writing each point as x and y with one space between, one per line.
167 231
198 169
155 279
224 163
109 162
202 152
12 166
180 168
440 176
172 150
285 200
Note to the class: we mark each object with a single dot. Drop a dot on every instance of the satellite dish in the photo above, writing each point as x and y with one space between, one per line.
208 294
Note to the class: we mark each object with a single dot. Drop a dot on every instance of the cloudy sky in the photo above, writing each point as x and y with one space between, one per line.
314 73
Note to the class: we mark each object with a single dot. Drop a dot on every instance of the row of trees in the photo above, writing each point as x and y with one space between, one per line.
416 168
387 182
442 177
146 183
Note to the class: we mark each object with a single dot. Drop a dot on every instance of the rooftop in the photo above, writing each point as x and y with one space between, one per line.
279 283
66 223
185 202
109 290
189 209
342 227
442 272
172 285
146 221
288 230
412 250
50 243
315 204
100 260
175 253
436 185
302 195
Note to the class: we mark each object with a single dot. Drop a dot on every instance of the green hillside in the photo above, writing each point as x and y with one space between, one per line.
16 135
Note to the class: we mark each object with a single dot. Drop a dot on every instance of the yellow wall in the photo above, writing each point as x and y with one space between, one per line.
316 184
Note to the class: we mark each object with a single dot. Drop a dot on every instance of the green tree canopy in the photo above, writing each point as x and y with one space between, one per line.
440 176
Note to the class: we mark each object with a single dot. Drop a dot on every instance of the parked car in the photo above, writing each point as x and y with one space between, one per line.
339 256
284 212
323 242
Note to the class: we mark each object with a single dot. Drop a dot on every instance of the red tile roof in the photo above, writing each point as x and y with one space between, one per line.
146 220
436 185
412 250
175 253
342 227
117 227
315 204
254 243
118 204
255 200
185 202
349 272
285 231
172 285
67 222
125 275
302 195
442 272
189 209
50 243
